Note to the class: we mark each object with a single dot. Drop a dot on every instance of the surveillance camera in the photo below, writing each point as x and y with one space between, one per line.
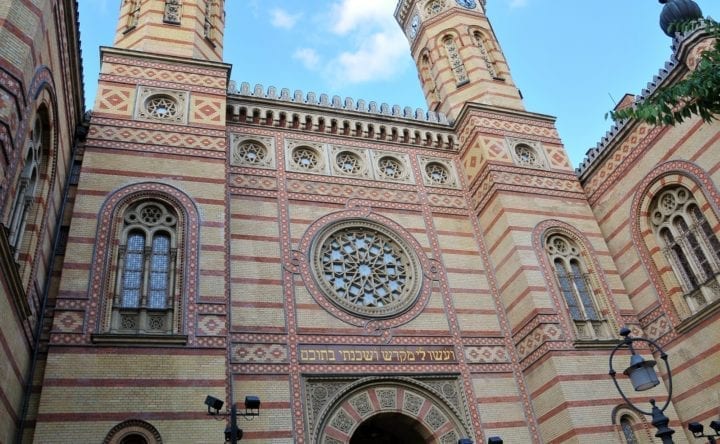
715 425
696 428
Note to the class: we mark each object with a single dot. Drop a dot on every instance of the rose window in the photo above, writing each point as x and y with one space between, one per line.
437 173
391 168
251 153
161 107
526 155
349 162
366 269
305 158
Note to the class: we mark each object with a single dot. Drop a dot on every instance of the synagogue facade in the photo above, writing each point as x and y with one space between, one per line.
372 273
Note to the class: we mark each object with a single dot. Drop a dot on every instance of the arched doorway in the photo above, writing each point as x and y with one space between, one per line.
397 410
390 428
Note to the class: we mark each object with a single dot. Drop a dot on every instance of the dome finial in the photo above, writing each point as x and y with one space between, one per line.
678 11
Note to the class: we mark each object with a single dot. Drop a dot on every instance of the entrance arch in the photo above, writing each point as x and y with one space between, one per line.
390 428
399 410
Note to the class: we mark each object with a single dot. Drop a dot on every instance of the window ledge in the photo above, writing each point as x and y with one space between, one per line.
597 344
130 339
698 317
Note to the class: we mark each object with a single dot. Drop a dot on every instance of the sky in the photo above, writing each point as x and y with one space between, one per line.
572 59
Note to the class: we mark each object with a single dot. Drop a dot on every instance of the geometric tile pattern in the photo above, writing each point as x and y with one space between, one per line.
351 191
541 334
211 325
258 353
205 78
115 100
68 321
485 354
144 136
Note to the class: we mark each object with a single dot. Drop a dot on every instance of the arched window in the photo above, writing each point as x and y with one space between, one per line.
208 26
575 284
456 62
487 57
626 425
145 283
28 186
428 81
689 244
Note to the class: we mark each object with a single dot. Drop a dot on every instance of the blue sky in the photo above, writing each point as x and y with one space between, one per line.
571 58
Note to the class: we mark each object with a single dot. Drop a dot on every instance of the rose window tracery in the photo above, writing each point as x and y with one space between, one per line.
251 153
161 107
305 158
437 173
349 162
391 168
366 269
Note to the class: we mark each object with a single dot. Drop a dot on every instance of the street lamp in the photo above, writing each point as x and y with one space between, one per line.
233 433
643 377
697 430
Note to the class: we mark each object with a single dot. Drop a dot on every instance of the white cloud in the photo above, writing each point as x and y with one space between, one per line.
308 56
353 14
515 4
375 45
283 19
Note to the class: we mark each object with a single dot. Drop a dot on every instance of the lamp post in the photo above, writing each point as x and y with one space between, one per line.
233 433
643 377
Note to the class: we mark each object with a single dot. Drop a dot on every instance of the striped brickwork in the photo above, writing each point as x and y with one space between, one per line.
39 77
90 386
440 85
643 162
143 26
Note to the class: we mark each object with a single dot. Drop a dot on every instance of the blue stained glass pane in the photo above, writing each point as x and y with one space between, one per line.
583 291
133 271
159 271
567 291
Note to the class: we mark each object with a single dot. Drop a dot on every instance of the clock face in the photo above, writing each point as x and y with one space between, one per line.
414 25
469 4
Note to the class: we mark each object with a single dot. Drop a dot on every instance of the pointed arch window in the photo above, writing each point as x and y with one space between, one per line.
27 188
146 267
456 62
575 284
208 26
689 244
428 81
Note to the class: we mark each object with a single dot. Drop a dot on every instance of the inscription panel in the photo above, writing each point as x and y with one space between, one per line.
376 354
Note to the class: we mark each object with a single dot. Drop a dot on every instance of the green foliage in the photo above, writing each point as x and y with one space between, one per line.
697 94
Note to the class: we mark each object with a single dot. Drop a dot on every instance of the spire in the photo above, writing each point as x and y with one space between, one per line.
183 28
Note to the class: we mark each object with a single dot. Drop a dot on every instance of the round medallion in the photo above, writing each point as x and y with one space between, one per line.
365 268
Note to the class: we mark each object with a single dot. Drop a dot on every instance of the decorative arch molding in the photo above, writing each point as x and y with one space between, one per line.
607 304
300 261
642 426
133 427
699 182
359 401
110 220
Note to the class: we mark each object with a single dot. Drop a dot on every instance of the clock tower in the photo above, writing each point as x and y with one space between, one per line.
458 57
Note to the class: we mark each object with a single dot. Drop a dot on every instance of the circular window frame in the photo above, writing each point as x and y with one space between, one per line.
427 271
410 291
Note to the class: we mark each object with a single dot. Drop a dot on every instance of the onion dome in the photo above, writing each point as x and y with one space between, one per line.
678 11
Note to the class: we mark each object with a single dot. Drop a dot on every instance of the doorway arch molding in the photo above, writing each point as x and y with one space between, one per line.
367 397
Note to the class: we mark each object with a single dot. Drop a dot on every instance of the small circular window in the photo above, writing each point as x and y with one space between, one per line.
349 162
251 153
391 167
161 107
305 158
365 268
437 173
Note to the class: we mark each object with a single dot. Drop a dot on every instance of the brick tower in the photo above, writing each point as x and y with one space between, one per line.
137 315
457 54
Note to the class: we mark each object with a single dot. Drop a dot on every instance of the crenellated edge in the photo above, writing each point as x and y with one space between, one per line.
336 103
